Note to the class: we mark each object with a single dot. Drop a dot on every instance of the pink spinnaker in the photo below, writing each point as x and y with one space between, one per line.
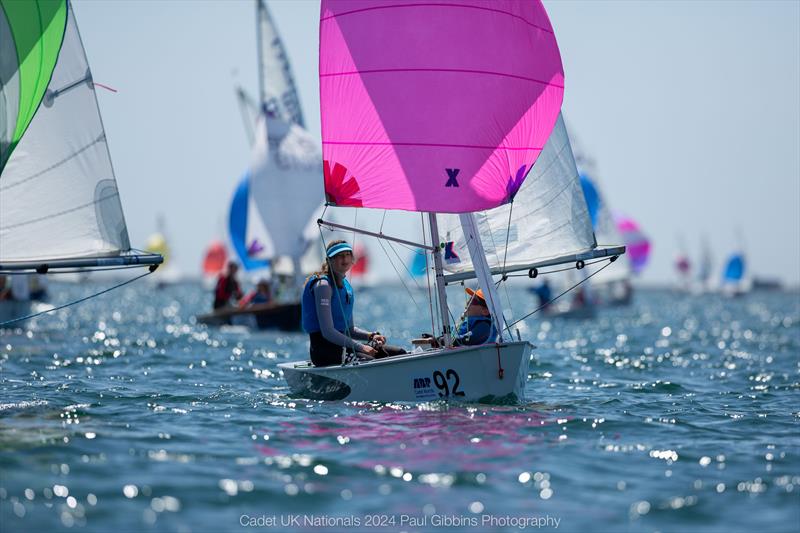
437 106
637 244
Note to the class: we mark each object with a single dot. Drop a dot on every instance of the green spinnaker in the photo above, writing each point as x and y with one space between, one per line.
30 42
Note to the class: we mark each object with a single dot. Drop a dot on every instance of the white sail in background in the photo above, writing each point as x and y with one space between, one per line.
278 92
285 169
607 234
58 193
549 218
285 184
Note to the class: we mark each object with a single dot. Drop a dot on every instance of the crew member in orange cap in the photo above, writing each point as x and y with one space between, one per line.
477 326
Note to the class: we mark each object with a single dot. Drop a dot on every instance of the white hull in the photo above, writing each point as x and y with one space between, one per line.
469 373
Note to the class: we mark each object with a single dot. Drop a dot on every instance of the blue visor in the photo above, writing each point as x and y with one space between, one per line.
339 248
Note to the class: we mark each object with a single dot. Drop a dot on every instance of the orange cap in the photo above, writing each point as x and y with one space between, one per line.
478 294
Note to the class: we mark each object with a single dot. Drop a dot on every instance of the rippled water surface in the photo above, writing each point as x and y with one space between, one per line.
675 414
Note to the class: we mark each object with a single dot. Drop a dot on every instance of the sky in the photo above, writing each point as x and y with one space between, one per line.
690 110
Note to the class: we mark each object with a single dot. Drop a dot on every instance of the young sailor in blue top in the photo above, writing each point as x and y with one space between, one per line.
327 303
477 326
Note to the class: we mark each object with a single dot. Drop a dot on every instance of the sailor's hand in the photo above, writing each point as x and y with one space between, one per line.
368 351
379 339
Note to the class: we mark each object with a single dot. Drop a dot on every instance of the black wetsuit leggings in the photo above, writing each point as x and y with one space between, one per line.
326 353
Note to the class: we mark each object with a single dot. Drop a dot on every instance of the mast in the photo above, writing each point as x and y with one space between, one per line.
262 95
440 285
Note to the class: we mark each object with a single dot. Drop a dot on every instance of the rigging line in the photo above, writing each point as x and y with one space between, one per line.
404 245
355 225
383 220
427 272
398 274
505 256
12 321
557 297
410 275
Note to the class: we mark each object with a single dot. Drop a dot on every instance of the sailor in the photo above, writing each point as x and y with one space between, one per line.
227 286
544 292
327 303
261 295
477 326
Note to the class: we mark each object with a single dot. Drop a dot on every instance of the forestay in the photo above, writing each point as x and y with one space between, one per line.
58 195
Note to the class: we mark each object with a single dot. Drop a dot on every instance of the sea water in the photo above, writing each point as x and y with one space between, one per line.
677 413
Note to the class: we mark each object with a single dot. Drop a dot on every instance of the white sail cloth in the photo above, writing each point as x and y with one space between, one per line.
278 92
58 193
285 184
549 217
607 233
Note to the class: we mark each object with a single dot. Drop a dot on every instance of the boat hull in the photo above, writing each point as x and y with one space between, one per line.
285 317
469 373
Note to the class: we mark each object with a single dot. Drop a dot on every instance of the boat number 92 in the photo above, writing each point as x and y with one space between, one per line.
447 383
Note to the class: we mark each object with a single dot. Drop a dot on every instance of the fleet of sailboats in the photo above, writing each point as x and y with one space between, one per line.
449 110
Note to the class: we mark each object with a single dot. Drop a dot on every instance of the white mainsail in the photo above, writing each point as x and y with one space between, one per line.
59 202
607 234
285 184
285 169
278 92
548 222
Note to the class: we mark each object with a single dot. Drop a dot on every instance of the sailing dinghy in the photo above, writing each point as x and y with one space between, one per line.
440 107
276 201
59 204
